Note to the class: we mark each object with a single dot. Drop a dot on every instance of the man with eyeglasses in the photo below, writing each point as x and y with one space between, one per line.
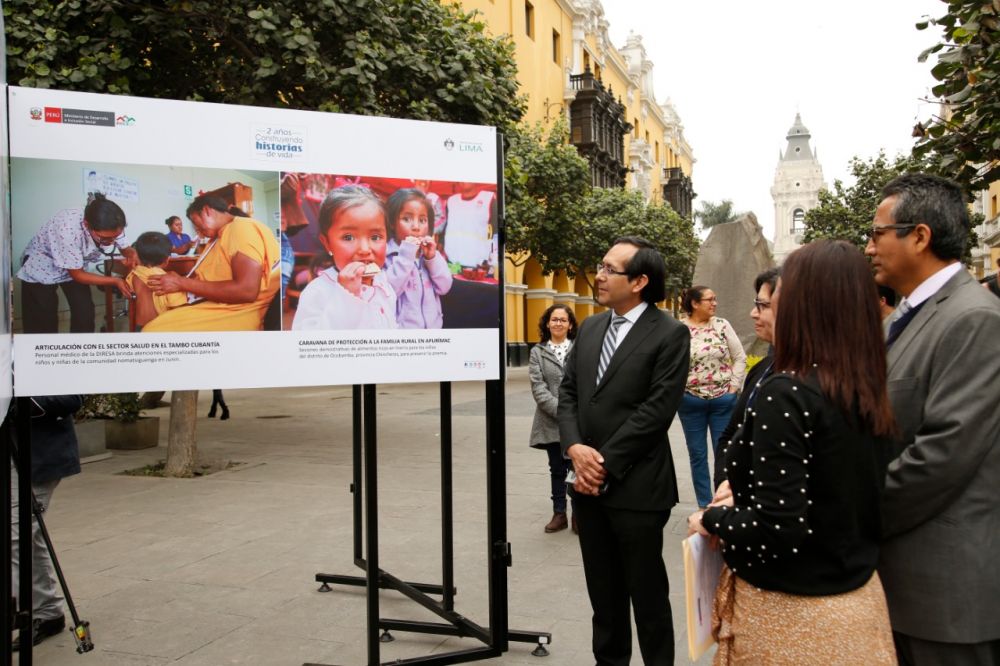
940 512
623 381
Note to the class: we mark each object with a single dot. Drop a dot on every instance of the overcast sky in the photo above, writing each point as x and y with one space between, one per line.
738 72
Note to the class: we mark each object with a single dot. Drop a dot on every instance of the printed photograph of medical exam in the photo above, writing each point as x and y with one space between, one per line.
126 248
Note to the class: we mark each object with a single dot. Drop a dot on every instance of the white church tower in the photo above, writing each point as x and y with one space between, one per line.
797 182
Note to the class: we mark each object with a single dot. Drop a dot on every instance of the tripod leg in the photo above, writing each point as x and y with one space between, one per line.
81 630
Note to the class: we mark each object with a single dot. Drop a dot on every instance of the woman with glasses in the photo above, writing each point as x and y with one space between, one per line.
800 524
557 328
56 258
762 315
714 378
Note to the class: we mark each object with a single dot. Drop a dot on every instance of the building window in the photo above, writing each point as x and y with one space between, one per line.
586 61
598 129
678 191
993 207
798 220
635 128
657 152
555 47
529 19
597 71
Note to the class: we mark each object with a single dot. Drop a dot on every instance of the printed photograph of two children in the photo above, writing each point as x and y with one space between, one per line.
130 248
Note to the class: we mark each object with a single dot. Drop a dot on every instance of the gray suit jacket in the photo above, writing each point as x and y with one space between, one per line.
940 560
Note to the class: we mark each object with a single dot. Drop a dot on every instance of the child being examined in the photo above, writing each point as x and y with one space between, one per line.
153 250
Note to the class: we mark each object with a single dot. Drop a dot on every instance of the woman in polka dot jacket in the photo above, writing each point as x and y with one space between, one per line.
798 518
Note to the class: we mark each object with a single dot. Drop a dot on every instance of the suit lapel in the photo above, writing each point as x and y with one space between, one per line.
639 331
927 312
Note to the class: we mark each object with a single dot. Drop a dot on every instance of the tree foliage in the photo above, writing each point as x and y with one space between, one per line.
610 213
846 212
405 58
965 144
712 214
546 181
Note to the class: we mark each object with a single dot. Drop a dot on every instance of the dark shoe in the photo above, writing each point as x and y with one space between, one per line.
42 629
225 414
211 412
557 523
576 529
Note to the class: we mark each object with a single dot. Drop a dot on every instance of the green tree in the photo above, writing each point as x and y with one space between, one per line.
545 180
405 58
846 212
712 214
675 238
965 143
610 213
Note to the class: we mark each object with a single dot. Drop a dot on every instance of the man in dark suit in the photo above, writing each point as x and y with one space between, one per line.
940 513
623 381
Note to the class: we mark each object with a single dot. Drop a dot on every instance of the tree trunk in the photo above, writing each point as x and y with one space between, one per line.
182 448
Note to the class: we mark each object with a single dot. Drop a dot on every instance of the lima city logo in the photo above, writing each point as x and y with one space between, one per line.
36 113
449 144
124 120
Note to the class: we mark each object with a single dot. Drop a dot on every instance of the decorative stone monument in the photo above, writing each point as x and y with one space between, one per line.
730 258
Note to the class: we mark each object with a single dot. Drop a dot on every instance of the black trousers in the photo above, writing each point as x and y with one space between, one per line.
623 562
40 307
557 476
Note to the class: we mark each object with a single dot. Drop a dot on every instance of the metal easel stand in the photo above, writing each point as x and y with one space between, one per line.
497 634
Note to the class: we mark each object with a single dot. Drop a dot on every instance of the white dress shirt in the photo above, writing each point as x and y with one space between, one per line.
930 286
631 317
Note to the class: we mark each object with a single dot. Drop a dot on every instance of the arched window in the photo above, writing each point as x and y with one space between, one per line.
798 220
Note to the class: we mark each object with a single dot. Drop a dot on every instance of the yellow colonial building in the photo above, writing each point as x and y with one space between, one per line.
568 66
986 255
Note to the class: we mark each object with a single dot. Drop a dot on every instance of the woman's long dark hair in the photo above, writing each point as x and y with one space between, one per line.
543 328
828 324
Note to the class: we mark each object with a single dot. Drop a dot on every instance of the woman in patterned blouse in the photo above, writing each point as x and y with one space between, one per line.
715 377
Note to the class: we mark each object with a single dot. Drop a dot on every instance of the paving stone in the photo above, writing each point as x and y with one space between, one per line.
220 569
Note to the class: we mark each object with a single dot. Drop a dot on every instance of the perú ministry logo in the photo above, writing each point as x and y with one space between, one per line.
448 144
124 120
36 113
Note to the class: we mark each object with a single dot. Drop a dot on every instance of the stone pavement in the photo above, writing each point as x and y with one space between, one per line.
220 569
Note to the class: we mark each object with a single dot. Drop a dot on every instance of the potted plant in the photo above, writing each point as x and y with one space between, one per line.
125 427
